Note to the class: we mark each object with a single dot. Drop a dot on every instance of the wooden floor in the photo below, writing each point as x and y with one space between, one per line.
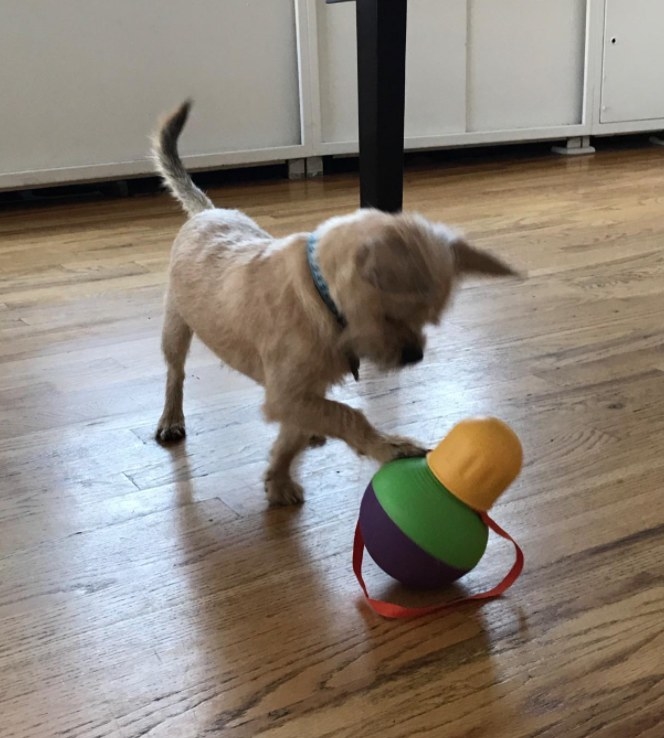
147 592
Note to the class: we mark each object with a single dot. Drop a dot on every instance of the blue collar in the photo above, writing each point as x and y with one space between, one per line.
319 281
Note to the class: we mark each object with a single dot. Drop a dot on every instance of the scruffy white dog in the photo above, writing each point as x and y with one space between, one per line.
297 314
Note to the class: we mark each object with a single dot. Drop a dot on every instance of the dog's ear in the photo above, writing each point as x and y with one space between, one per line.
388 265
471 260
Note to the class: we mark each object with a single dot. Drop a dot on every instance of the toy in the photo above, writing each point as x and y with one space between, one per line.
424 521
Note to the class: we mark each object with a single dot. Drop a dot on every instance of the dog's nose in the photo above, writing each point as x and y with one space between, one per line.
411 355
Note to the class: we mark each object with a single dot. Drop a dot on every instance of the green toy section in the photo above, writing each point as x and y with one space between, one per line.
417 503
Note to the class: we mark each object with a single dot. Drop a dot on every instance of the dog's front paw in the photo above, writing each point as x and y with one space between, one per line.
397 447
282 491
172 433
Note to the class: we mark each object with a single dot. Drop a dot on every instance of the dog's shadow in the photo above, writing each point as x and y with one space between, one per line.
238 564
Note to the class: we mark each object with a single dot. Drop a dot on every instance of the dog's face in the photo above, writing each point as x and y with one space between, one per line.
393 275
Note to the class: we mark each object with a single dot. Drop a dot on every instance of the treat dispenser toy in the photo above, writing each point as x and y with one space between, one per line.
425 521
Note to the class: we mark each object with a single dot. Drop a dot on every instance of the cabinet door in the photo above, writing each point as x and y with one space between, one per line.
633 79
526 63
83 81
435 69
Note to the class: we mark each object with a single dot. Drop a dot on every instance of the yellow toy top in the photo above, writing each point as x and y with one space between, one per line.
477 461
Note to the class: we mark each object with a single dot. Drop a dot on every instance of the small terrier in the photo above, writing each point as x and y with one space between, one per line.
297 314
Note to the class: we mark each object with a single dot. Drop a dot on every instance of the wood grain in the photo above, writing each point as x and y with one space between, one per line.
148 592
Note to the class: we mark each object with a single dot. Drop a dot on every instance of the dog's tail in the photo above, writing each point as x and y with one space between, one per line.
169 165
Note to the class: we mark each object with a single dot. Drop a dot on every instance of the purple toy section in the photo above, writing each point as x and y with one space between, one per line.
398 555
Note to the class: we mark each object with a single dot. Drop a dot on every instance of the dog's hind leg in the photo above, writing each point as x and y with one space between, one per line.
280 487
175 342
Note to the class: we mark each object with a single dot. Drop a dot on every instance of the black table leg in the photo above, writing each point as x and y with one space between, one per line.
381 73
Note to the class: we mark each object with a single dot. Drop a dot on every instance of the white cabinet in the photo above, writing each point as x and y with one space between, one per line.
476 71
436 39
428 110
633 73
82 82
526 63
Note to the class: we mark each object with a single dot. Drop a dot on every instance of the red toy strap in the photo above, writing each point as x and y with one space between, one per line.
391 610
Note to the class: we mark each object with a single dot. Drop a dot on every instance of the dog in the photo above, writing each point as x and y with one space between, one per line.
298 314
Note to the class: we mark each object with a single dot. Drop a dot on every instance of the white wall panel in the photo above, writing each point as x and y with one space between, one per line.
435 69
526 63
633 74
82 81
